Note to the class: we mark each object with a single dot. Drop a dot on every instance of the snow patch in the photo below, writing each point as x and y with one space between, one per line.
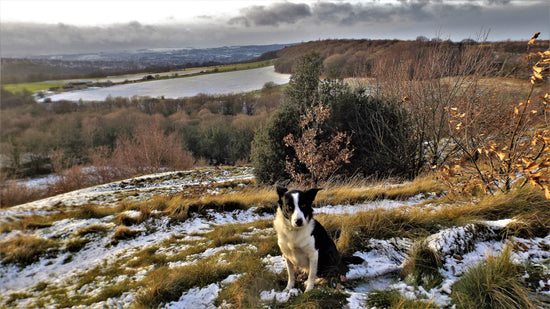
281 297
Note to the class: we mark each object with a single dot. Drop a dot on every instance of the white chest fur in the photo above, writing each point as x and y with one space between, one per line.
297 244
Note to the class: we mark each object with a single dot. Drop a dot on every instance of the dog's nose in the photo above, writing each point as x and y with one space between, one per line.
299 222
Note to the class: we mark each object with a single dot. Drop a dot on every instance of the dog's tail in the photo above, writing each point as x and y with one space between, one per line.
352 260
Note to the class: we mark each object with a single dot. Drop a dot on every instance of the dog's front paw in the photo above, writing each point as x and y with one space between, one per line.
309 287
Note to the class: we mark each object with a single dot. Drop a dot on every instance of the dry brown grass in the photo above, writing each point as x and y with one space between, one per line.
358 191
166 284
124 233
33 222
392 299
353 231
494 283
24 250
181 208
92 229
422 266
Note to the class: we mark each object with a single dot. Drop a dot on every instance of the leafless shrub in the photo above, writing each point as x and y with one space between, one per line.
321 156
518 149
13 193
151 150
430 83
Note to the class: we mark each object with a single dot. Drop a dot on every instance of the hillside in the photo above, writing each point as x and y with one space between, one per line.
362 58
203 239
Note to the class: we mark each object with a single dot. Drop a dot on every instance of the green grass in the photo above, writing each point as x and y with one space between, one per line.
33 87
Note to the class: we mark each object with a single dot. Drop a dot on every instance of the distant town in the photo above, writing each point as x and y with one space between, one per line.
37 68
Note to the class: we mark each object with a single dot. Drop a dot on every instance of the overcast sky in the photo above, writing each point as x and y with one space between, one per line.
33 27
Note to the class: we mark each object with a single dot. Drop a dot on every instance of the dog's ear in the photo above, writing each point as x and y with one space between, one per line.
310 195
281 192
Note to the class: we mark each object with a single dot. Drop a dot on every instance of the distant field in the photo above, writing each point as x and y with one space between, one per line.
33 87
45 85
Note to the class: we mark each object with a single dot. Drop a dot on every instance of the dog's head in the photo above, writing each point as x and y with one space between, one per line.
295 205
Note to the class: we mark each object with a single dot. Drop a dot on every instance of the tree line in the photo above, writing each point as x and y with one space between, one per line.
39 138
359 58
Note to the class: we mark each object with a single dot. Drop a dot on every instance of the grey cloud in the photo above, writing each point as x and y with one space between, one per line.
273 15
286 23
499 2
342 13
31 38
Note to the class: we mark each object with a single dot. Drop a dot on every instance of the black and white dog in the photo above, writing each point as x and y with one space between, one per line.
304 242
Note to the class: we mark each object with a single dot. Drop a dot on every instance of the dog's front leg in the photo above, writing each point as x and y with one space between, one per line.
291 274
313 260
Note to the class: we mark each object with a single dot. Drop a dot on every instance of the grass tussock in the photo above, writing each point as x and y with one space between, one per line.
24 250
320 297
166 284
147 257
391 299
181 207
92 211
227 234
145 214
111 291
494 283
93 229
245 291
422 266
124 233
536 224
76 244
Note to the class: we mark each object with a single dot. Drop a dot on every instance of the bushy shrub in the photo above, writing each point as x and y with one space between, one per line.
381 131
269 151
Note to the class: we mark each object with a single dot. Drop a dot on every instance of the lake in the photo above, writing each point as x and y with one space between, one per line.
215 83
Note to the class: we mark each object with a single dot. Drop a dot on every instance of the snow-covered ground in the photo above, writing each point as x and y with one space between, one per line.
383 260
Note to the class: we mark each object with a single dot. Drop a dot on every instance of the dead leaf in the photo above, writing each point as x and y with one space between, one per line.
533 39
